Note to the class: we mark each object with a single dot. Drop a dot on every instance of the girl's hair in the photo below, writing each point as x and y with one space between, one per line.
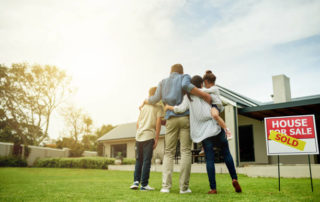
210 77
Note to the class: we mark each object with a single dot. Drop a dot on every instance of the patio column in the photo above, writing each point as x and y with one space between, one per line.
231 119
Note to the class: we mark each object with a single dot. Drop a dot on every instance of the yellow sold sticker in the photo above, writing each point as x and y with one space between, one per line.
287 140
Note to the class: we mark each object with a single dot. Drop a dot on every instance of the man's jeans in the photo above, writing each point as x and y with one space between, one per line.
177 128
219 141
144 152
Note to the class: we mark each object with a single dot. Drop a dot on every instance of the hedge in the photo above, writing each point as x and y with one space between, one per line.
81 162
126 161
11 161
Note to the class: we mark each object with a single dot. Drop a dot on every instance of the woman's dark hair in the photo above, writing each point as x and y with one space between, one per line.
197 81
210 77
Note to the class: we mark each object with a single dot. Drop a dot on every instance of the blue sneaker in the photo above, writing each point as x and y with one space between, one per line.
135 185
146 188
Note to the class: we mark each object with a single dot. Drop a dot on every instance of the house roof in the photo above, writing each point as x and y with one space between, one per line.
297 106
238 99
123 131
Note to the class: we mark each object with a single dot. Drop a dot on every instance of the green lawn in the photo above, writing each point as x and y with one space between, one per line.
57 184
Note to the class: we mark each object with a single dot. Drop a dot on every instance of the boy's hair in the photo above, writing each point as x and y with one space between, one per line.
152 91
210 77
177 68
197 81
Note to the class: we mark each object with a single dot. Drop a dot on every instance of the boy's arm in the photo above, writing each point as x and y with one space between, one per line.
158 128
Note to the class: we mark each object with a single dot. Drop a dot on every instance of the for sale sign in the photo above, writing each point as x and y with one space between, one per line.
291 135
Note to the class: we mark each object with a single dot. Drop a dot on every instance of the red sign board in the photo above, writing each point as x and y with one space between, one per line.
300 127
291 135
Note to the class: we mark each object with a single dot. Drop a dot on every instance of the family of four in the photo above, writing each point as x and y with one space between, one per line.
191 114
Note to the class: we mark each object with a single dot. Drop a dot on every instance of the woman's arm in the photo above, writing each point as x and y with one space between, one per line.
184 106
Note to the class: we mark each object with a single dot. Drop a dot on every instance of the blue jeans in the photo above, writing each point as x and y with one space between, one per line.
218 141
144 152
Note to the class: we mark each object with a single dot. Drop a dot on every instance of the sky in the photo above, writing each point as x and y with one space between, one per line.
116 50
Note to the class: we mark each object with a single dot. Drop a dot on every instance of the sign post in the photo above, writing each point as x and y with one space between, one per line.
291 135
279 172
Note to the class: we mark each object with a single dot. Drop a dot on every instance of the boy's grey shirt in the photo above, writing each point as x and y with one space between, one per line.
171 91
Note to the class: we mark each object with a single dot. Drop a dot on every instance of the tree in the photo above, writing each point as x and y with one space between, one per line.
99 133
15 122
79 126
30 95
74 119
76 148
104 130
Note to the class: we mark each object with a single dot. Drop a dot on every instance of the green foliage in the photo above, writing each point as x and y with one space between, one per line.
11 161
82 162
126 161
76 148
104 130
100 148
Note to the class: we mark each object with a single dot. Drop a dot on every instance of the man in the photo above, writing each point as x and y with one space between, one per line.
171 91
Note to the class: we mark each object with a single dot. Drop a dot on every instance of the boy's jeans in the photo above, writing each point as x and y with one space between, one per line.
219 141
144 152
177 128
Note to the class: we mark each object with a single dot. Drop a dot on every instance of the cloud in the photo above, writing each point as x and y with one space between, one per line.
116 50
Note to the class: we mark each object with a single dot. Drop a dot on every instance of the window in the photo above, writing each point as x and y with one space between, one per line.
246 143
115 149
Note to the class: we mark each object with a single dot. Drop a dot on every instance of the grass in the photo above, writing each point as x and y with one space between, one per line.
58 184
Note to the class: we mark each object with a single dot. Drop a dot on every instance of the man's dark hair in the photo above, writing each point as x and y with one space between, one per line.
177 68
197 81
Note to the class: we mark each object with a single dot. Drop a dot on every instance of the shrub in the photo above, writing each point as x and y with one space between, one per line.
126 161
11 161
82 162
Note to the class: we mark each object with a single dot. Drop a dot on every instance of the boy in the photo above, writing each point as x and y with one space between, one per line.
148 130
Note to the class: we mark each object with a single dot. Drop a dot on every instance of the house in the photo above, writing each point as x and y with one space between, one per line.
245 118
122 139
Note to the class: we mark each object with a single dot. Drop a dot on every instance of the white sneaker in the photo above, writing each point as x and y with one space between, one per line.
186 191
135 185
146 188
165 190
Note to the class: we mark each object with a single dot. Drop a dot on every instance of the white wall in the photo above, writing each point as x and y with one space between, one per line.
131 143
35 152
260 149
